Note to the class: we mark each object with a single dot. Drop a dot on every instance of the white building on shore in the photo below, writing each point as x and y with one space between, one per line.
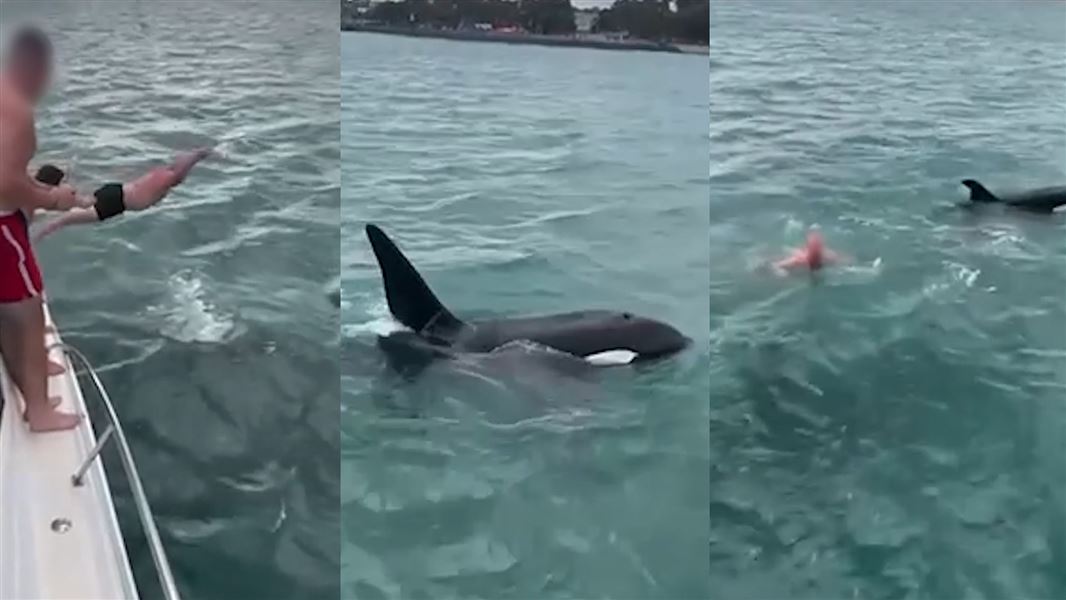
585 19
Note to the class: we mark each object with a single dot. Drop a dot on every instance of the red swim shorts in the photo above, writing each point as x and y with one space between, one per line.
20 279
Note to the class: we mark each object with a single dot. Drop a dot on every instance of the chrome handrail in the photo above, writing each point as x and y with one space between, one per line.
144 511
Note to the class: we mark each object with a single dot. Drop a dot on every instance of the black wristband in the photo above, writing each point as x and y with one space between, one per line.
50 175
109 201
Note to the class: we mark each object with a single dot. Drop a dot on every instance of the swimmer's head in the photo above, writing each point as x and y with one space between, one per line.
815 247
814 240
28 61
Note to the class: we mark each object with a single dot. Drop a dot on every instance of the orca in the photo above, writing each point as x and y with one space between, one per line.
435 332
1039 200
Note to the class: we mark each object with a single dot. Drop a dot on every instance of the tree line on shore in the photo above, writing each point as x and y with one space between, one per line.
659 20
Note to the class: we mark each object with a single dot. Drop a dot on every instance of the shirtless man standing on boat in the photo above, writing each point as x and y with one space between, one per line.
24 79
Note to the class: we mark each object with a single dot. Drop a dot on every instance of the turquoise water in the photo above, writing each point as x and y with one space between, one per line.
228 394
896 429
524 180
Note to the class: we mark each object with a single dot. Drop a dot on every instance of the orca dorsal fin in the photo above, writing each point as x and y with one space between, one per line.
410 299
978 192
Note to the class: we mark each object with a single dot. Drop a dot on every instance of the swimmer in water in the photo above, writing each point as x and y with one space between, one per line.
812 256
113 199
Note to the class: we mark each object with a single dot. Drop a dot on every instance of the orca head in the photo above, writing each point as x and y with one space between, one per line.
646 338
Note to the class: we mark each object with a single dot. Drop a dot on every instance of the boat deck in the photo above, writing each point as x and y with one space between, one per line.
57 540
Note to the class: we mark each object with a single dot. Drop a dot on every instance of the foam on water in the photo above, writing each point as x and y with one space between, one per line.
189 316
379 321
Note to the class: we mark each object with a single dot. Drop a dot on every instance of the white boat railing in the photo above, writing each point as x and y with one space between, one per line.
144 511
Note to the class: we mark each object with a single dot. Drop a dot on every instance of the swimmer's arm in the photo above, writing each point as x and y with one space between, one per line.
74 216
835 258
795 260
17 186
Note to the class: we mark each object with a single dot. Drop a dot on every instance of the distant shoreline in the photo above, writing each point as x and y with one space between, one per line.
526 38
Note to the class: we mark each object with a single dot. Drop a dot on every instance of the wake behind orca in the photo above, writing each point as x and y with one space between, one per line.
1039 200
436 332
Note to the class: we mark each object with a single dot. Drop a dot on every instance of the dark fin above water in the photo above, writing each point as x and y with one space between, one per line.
978 192
410 299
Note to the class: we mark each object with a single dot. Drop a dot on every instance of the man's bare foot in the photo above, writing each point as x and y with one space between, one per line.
55 368
184 162
42 421
53 401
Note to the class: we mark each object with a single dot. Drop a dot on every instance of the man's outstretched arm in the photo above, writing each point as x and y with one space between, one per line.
836 258
74 216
